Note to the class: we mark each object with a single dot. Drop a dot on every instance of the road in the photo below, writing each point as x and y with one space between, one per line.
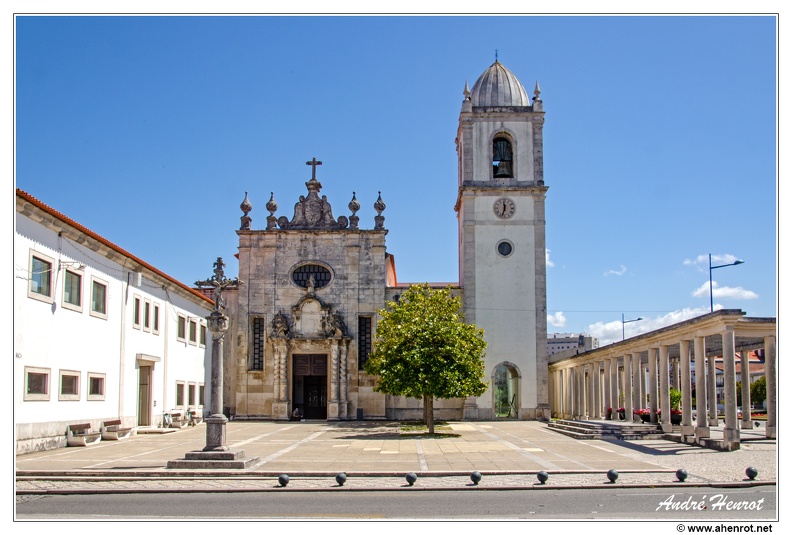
643 504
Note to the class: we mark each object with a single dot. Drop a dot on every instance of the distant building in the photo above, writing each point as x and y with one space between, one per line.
98 333
562 342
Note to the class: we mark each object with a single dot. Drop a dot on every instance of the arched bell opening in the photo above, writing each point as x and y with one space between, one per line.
502 157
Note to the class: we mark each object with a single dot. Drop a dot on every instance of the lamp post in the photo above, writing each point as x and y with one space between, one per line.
627 321
711 267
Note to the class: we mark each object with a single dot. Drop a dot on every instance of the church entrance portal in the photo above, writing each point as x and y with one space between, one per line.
309 385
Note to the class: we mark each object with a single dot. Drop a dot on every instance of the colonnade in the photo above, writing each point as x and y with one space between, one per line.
638 374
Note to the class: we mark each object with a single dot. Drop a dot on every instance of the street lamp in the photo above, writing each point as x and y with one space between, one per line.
627 321
711 267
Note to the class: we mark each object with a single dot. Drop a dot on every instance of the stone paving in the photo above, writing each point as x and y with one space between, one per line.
376 455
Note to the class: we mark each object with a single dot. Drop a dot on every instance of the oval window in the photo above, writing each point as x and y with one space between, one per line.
303 275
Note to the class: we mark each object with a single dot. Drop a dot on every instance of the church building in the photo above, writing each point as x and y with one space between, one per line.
304 319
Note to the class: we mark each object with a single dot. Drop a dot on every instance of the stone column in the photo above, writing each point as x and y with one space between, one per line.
636 371
745 380
674 373
665 402
687 401
731 431
606 391
593 380
343 401
702 429
652 353
217 324
280 405
641 382
580 372
628 387
332 405
772 381
712 394
614 399
566 378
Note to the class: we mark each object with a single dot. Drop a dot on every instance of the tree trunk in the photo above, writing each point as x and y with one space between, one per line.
429 412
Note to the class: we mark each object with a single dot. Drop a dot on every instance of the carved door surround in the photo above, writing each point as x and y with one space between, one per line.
311 327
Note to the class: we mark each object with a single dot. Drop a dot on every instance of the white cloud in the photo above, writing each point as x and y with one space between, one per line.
548 262
724 292
611 332
620 272
556 320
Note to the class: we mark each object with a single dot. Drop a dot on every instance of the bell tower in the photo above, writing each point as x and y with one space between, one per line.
501 214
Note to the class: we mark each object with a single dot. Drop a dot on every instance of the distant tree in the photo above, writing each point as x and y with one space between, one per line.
425 350
759 391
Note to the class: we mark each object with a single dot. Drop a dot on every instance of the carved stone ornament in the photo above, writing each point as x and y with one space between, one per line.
312 212
280 326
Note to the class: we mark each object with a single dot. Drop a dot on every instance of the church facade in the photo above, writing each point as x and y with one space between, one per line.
304 319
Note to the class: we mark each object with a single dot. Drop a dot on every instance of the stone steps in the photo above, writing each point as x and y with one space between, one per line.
590 430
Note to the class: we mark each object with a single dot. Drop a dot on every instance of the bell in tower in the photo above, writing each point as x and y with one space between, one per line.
501 158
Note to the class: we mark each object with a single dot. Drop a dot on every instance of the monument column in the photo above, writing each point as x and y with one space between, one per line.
771 379
665 401
745 380
702 429
652 354
628 387
712 394
731 432
687 402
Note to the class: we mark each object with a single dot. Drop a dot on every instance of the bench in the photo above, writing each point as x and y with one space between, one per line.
112 430
197 416
81 435
178 419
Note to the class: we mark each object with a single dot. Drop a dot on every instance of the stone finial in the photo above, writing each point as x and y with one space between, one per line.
272 205
246 207
354 206
466 92
537 91
379 206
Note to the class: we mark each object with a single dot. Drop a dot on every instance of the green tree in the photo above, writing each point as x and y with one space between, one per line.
758 391
425 350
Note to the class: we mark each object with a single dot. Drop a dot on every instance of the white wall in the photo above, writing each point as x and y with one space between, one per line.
54 337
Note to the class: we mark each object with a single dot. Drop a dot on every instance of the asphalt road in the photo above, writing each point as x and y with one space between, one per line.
755 504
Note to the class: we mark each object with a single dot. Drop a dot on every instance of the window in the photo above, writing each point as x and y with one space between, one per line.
155 327
69 386
181 328
40 277
136 312
96 386
364 340
202 339
259 327
99 298
191 394
179 394
72 290
193 332
146 315
502 158
201 394
505 248
36 384
303 275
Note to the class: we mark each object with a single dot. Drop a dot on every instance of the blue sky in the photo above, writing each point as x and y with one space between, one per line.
659 142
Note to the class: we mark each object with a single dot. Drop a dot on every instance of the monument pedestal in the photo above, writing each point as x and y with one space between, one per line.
229 459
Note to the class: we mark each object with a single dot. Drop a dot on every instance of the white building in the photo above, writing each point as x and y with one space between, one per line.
574 343
99 334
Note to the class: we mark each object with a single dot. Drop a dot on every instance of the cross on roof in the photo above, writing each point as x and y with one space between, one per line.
313 163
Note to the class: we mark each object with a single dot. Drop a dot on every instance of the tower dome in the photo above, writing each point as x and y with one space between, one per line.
497 86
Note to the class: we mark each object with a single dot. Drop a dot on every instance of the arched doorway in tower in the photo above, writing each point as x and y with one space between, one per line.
506 395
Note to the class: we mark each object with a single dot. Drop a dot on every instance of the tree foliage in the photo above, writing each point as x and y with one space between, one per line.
425 350
759 391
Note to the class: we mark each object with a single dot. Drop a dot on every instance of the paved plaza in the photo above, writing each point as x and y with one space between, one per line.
378 455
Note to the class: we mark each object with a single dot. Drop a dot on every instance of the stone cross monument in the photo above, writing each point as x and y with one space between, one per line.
216 454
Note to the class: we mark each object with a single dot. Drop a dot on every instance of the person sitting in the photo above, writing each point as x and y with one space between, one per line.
296 414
